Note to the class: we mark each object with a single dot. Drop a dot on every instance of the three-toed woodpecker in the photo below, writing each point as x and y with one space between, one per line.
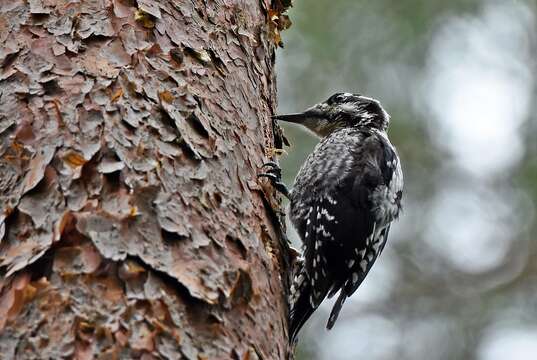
343 201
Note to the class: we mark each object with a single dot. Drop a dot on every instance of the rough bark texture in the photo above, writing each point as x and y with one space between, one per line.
132 223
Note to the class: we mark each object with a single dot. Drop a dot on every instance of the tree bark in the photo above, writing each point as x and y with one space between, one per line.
133 224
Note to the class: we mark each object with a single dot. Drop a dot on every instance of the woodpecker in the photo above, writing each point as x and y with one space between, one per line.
344 198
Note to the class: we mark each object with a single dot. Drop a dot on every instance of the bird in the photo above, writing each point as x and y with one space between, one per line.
344 198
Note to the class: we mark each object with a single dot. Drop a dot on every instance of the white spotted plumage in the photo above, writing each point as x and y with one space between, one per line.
344 199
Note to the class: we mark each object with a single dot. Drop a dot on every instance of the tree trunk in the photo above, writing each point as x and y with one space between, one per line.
132 223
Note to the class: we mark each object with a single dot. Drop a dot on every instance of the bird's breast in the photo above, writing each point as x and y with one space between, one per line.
386 198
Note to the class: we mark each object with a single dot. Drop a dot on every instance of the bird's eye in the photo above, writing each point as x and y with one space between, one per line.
336 98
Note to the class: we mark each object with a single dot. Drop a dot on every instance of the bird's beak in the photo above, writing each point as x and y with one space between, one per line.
293 118
299 118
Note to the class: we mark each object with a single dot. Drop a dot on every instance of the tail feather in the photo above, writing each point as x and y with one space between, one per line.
301 306
299 315
336 309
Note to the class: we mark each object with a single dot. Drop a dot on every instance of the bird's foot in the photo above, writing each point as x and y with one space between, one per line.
274 174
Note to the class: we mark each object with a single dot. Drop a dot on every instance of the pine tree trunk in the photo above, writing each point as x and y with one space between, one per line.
133 224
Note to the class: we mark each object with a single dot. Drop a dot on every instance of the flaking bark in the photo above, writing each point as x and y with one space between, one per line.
132 223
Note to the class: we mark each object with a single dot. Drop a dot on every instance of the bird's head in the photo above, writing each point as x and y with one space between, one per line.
341 110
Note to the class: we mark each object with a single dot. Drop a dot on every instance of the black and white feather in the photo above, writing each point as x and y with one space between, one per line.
343 201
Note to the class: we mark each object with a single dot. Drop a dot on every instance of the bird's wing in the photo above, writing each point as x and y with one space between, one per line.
340 221
361 233
339 227
319 239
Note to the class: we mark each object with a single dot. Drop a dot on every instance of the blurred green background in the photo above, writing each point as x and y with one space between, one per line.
458 278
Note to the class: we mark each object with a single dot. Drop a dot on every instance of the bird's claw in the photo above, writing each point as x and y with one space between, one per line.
273 168
274 174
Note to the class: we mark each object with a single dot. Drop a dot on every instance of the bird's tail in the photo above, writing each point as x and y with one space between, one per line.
300 304
336 309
